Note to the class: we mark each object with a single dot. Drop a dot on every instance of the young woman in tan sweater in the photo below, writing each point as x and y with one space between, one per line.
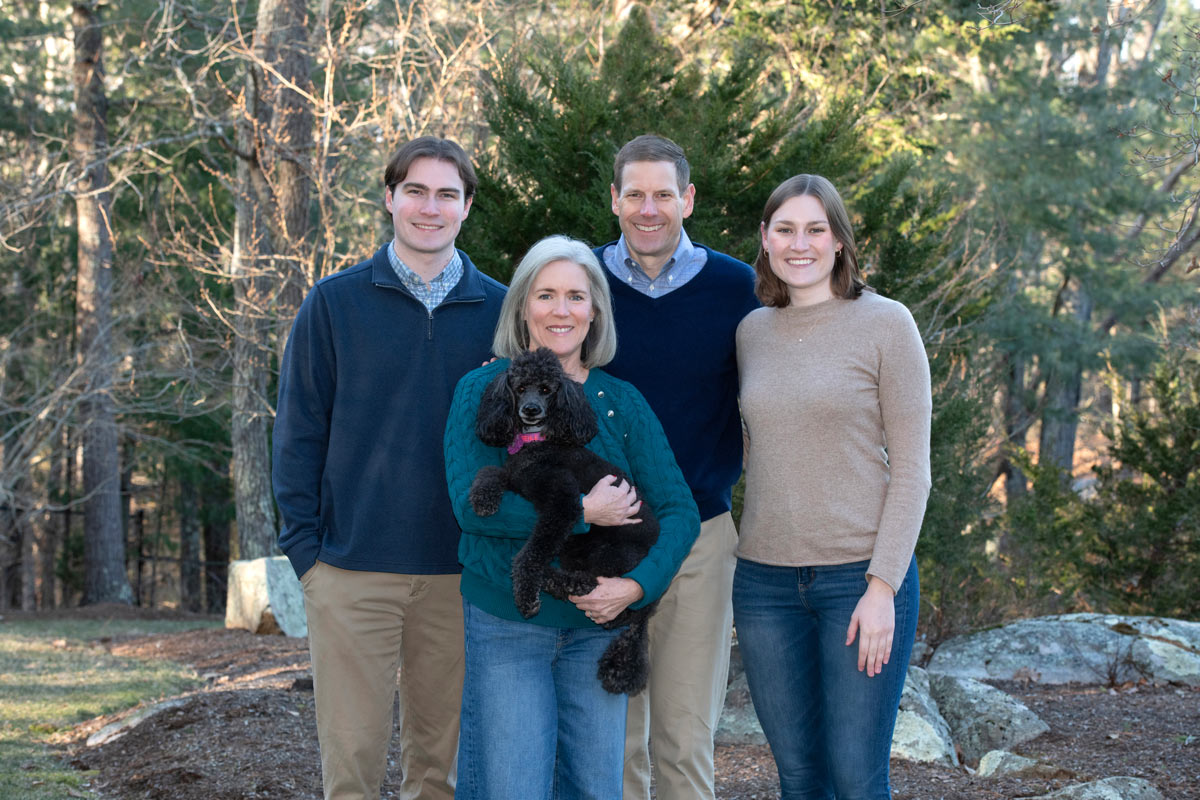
835 398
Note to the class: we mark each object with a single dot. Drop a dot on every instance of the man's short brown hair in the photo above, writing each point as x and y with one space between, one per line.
431 147
649 147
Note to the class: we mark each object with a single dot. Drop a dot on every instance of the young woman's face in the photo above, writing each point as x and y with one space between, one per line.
558 311
800 245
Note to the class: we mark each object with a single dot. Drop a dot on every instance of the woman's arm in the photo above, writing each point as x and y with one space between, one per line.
905 406
660 483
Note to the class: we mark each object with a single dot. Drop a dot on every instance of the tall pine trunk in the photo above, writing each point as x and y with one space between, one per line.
274 189
104 546
251 464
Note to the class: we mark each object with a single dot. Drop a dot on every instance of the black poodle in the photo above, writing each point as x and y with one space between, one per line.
544 419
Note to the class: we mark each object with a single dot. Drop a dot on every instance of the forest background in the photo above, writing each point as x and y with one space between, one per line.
176 174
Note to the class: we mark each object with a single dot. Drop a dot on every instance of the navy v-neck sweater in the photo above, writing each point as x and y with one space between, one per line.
680 351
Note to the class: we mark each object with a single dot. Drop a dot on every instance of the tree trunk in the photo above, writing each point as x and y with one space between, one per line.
1016 425
216 560
52 526
104 546
251 362
189 546
282 41
1064 385
273 196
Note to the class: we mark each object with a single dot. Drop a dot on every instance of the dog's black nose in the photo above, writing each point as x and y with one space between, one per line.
531 410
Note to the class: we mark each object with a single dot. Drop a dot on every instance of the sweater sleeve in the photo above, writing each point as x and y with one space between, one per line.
659 483
465 454
905 405
307 385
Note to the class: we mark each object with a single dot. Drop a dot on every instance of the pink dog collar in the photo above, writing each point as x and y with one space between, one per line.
523 439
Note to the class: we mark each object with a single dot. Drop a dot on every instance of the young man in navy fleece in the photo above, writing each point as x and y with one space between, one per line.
677 305
364 390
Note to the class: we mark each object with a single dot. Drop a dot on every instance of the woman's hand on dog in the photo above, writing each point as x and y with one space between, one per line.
610 597
611 503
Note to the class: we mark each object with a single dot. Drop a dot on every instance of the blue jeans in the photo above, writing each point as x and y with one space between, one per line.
829 725
536 724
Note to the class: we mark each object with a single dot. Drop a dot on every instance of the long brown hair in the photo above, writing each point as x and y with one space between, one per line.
846 279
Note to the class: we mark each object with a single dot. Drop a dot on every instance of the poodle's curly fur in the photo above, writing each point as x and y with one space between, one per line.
534 394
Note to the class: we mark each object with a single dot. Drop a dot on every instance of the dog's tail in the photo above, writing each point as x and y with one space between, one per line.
625 665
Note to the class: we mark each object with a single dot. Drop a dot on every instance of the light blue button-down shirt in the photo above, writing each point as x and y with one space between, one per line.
433 293
683 265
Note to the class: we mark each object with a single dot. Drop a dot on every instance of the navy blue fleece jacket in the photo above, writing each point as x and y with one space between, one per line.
364 390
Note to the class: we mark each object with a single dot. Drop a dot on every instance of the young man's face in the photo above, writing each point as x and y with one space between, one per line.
651 209
428 207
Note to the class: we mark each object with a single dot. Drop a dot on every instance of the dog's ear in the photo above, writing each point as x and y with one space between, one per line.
572 421
495 424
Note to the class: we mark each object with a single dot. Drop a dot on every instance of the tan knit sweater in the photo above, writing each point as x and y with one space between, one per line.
824 390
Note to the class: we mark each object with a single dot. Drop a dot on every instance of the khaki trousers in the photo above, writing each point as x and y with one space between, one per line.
362 627
690 636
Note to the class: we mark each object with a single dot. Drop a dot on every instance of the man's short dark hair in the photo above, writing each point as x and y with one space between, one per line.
649 147
431 147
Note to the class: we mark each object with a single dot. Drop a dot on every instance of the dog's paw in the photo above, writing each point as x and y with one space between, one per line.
527 586
528 599
486 491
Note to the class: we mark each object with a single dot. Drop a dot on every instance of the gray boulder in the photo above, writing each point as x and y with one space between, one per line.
981 717
999 763
1118 788
921 733
739 723
1082 648
265 596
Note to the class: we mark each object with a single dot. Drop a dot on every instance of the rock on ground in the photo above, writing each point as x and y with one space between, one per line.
921 733
1117 788
981 717
1077 648
265 596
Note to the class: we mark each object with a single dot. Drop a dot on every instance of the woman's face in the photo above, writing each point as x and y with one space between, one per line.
558 310
801 247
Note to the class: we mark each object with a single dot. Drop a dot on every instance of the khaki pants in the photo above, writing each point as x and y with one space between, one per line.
362 626
690 636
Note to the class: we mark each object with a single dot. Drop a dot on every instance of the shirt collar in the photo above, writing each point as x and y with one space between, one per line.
683 255
449 275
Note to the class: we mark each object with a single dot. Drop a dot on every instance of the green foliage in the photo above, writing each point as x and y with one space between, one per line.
1143 542
557 125
1133 544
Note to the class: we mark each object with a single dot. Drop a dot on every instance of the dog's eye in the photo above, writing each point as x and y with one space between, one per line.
544 389
520 390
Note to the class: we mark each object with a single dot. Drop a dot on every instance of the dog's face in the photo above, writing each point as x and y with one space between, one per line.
532 397
535 395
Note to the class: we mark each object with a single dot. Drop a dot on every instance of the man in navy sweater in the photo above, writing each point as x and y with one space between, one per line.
364 390
677 306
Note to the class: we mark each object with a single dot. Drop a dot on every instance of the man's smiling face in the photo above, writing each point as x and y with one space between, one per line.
427 207
651 208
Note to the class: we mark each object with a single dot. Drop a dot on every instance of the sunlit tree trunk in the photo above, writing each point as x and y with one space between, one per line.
104 545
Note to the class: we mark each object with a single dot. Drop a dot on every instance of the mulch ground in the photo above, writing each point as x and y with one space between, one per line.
250 732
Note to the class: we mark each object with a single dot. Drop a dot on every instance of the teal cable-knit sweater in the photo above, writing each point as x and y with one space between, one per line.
630 437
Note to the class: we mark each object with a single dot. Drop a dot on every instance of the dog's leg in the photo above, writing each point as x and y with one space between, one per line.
487 490
561 583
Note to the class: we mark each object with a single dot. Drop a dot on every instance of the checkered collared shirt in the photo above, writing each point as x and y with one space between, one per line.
433 293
